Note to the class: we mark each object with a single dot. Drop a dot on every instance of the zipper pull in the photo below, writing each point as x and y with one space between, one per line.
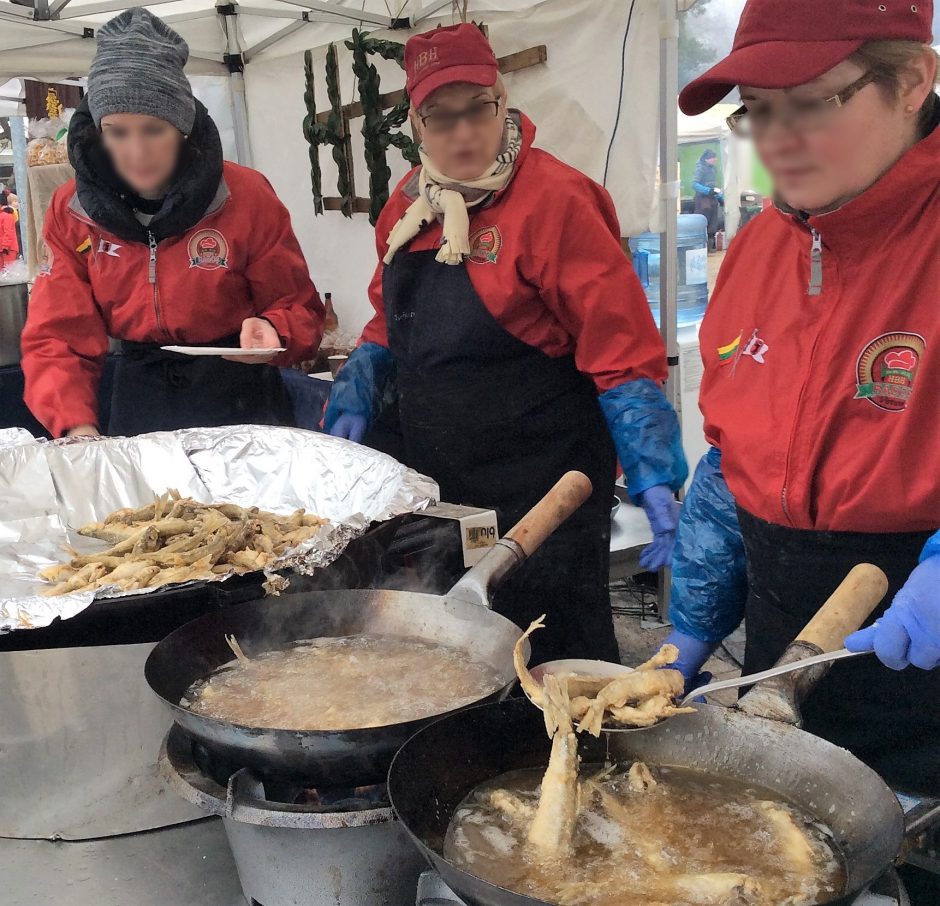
153 257
816 266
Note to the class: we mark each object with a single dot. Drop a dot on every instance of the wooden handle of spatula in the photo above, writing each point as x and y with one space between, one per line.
530 532
849 606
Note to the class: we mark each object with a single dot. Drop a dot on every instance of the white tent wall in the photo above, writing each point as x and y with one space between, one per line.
573 100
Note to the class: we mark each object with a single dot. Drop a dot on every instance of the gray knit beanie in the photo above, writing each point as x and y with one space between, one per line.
138 68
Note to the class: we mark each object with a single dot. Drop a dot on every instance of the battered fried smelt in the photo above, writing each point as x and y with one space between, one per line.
513 807
200 570
552 828
583 686
141 580
58 573
85 577
531 688
633 687
794 844
639 778
580 706
132 514
719 888
666 655
126 546
113 534
179 539
648 713
232 511
147 541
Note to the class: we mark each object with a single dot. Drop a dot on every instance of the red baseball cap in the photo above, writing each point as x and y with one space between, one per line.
785 43
457 53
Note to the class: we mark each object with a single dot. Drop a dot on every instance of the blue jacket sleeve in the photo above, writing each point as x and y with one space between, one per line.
701 188
709 571
646 434
359 386
931 548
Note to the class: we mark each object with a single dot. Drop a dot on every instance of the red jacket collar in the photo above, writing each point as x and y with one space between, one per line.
888 205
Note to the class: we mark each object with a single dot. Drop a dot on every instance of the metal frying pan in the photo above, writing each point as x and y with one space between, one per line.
440 765
462 618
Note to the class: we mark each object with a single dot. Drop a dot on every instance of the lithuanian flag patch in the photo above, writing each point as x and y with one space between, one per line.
83 247
727 353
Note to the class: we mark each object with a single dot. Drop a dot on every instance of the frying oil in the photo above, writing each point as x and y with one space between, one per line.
691 840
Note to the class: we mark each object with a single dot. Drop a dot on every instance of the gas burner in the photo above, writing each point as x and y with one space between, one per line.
357 799
295 844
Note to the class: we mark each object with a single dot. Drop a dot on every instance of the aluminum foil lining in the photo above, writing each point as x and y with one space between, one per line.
50 489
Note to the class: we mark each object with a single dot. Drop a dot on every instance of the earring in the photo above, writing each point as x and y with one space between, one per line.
909 108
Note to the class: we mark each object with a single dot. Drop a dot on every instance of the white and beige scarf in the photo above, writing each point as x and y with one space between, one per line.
440 196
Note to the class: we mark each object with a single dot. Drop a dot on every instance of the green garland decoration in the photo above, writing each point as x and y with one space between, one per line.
329 133
310 134
377 126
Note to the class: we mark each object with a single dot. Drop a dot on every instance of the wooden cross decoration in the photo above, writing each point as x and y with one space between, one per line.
333 126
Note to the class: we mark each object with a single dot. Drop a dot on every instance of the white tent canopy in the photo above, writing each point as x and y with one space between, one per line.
596 101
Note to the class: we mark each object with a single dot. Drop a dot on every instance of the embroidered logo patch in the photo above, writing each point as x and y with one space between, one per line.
84 247
208 250
886 369
727 353
485 245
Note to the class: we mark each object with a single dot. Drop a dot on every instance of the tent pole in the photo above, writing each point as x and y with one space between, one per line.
668 239
235 61
669 190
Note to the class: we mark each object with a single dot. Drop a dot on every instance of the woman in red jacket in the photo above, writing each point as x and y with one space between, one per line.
822 368
158 242
9 247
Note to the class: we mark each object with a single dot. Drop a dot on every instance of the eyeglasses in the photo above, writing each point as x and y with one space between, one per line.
478 114
799 115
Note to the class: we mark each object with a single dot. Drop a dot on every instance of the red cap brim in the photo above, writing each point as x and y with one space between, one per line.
484 75
775 64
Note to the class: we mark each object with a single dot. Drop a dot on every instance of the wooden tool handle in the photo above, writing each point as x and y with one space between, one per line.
551 511
849 606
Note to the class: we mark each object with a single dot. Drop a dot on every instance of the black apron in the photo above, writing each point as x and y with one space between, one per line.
496 423
889 719
155 390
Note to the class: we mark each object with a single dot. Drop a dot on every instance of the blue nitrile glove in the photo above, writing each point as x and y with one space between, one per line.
351 426
358 388
909 631
693 653
709 571
645 431
662 510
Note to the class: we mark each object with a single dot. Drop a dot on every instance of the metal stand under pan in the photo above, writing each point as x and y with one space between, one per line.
307 848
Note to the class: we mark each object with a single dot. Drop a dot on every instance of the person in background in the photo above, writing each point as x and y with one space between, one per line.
708 197
821 347
521 338
158 242
9 246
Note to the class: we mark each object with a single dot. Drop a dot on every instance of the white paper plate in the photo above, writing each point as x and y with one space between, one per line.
221 350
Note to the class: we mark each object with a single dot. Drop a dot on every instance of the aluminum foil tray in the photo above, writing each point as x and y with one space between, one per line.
48 490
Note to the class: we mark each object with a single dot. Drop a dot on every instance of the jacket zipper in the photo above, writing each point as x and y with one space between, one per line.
152 273
816 265
815 289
